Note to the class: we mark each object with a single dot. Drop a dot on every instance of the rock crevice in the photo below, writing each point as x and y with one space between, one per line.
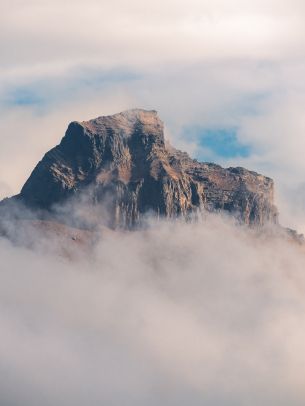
125 162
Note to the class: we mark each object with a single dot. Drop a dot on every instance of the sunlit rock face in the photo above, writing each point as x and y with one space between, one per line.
122 162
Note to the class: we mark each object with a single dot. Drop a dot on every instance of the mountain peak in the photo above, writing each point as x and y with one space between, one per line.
121 162
125 120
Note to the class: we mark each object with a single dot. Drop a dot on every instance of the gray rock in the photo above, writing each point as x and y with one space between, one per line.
123 163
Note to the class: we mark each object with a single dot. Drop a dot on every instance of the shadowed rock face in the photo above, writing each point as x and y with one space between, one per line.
123 162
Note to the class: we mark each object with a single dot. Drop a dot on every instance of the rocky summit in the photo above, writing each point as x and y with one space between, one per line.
123 163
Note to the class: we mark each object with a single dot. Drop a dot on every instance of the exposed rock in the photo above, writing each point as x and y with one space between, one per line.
123 163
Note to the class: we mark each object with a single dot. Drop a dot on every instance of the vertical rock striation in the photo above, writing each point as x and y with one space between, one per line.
123 163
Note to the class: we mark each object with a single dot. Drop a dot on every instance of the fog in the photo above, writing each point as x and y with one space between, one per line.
199 313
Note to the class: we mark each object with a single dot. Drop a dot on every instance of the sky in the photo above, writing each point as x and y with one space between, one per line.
155 316
218 72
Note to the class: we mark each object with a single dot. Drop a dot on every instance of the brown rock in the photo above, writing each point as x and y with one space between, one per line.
123 163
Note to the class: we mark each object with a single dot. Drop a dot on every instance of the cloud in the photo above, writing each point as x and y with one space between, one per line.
155 316
107 33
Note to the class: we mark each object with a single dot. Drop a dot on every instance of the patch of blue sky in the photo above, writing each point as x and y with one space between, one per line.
23 96
43 92
219 142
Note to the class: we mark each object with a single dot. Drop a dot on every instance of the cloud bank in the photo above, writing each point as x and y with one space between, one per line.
204 313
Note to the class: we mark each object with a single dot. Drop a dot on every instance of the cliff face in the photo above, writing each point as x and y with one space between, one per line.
122 161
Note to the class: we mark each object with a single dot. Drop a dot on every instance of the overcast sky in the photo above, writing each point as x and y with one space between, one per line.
219 72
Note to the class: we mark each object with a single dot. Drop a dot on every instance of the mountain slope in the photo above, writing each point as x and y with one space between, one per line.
123 163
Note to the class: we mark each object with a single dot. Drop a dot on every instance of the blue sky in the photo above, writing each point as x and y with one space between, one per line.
45 92
221 142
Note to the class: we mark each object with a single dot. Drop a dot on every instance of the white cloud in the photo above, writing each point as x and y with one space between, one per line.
165 321
43 36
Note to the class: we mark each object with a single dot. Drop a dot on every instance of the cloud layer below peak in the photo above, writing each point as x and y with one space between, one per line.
166 321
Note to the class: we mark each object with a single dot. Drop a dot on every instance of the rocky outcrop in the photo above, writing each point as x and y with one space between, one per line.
123 164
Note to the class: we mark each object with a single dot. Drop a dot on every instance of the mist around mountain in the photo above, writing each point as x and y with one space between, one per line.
203 312
123 164
204 309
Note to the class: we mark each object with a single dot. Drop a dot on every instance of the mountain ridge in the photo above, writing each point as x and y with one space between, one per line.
129 168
